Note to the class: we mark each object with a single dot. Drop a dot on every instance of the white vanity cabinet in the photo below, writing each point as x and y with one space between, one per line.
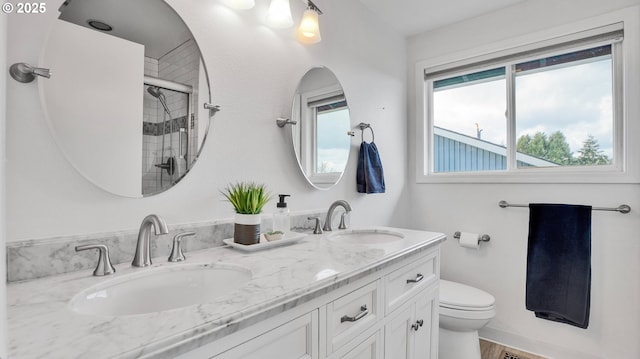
391 313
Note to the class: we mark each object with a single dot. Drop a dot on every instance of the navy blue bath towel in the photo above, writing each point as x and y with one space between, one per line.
369 175
559 263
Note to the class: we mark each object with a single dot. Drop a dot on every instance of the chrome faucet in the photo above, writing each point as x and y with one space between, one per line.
339 203
142 258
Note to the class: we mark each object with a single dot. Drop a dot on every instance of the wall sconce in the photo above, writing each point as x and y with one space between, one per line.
279 14
309 30
240 4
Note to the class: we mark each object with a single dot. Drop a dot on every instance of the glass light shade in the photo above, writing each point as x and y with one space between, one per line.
309 30
279 14
240 4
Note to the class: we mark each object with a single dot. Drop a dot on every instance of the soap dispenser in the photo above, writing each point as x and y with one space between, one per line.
281 219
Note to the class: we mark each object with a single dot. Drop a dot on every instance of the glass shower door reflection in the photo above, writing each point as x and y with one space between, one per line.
167 131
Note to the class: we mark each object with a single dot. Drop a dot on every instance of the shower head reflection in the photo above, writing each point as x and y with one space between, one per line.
157 93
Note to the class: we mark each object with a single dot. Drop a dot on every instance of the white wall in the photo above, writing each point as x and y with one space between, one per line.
499 267
254 71
3 221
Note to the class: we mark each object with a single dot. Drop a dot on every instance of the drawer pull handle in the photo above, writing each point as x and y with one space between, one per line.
417 325
362 314
419 277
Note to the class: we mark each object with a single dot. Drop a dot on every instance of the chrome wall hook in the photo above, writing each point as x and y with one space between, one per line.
26 73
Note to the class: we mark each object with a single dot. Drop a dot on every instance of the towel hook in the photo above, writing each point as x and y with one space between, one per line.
363 126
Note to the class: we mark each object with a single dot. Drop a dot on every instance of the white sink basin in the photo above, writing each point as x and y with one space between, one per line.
160 289
366 236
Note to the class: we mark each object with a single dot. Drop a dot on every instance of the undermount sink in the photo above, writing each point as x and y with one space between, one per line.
160 289
366 236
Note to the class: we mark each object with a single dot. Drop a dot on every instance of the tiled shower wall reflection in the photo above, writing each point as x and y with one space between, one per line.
181 65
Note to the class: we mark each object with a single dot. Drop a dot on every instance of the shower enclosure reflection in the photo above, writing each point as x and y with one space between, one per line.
167 137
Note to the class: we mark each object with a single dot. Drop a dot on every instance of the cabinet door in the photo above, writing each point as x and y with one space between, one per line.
371 348
297 339
398 339
425 325
412 333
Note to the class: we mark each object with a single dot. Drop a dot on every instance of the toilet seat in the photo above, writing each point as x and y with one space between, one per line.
460 297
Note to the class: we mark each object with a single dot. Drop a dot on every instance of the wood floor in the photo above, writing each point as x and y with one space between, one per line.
491 350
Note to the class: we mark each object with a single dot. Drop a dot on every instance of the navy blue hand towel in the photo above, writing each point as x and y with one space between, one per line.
559 263
369 175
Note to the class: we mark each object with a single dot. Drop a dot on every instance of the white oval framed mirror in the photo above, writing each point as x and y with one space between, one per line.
320 136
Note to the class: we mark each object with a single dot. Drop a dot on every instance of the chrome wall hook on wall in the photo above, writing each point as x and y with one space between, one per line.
26 73
281 122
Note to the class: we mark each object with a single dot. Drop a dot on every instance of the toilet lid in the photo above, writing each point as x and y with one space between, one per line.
460 296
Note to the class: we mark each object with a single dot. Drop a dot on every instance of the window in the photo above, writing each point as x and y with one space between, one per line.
469 124
332 122
527 114
325 123
564 108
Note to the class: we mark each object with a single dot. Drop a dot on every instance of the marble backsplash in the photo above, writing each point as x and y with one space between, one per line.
31 259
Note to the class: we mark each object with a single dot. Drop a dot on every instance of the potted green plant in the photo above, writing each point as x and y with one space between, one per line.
248 199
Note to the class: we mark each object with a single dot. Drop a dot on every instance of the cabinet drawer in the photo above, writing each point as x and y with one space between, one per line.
404 282
352 314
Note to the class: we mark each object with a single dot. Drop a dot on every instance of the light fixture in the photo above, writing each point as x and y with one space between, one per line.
309 30
279 14
240 4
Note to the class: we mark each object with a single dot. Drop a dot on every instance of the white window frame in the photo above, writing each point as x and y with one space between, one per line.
626 168
309 126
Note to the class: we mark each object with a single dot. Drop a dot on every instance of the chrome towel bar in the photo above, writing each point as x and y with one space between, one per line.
623 208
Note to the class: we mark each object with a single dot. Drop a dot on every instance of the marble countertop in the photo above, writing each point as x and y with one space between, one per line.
42 325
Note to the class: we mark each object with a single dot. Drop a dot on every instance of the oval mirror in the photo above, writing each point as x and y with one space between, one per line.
320 135
125 101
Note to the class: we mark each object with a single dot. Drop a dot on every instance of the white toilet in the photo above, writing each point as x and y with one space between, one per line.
463 311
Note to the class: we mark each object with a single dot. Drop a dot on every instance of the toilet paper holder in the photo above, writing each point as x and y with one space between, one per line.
481 238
